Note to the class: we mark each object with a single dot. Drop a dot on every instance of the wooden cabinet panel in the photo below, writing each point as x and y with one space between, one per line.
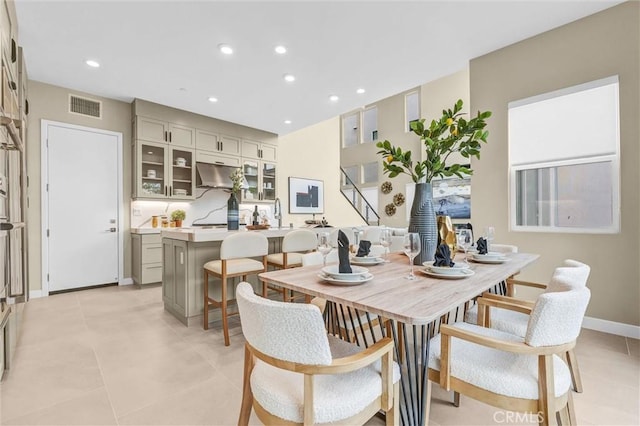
250 149
206 141
208 157
268 152
146 258
229 145
151 253
149 129
181 135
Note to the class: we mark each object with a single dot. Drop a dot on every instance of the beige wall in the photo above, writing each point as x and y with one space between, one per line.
598 46
314 153
47 102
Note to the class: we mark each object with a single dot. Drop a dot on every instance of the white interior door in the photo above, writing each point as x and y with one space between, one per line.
81 241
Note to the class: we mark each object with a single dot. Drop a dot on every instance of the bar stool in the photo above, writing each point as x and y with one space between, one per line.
294 245
235 253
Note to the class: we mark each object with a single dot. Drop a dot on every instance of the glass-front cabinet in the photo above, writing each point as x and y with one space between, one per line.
164 172
261 180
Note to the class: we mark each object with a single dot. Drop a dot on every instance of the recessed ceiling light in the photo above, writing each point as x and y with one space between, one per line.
360 91
287 121
213 99
333 98
225 48
290 78
280 50
92 63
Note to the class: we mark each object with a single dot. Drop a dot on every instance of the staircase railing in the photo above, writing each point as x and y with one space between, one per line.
359 201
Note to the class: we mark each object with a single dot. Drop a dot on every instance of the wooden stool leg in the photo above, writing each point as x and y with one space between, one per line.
247 395
205 315
575 372
225 322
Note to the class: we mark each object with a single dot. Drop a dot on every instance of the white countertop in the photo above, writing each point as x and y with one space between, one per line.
146 230
202 235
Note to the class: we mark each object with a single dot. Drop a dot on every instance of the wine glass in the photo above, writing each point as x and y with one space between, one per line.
464 240
324 247
489 234
385 241
411 249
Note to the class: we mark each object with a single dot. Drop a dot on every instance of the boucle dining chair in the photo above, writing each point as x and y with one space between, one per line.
294 373
515 373
235 260
294 245
512 315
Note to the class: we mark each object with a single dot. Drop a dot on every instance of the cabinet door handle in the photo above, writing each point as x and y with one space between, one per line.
13 85
165 190
165 136
26 107
14 51
169 136
221 146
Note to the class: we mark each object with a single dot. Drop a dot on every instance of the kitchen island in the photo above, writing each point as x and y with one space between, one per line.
185 251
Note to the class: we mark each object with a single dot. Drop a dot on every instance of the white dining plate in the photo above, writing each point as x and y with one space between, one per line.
464 273
332 280
449 270
495 260
357 273
366 260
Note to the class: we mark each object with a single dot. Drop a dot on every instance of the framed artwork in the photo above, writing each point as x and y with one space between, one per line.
452 197
306 196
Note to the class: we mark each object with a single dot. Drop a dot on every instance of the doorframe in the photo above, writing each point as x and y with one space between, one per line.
44 197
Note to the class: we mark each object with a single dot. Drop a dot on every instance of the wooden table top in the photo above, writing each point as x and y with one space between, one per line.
389 294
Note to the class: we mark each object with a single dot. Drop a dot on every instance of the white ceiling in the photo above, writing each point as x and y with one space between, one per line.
166 51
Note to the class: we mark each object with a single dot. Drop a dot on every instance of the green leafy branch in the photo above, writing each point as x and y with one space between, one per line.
451 133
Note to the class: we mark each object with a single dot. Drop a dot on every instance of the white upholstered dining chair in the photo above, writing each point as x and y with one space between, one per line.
512 372
294 373
512 315
294 245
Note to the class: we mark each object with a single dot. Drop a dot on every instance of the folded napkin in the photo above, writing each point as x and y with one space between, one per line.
443 256
481 246
343 254
363 248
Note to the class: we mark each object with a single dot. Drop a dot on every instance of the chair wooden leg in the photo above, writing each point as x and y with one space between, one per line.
247 394
571 411
205 316
456 399
427 408
392 416
572 362
546 393
223 302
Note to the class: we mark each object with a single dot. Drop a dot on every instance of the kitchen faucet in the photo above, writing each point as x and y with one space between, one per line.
277 212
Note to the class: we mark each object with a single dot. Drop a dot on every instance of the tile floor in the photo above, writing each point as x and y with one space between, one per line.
113 356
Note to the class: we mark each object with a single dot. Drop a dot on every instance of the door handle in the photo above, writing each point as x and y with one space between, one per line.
165 136
112 230
169 136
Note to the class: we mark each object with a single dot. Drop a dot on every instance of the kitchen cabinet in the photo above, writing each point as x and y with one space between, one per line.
261 179
146 258
213 142
163 171
175 276
259 150
215 158
152 130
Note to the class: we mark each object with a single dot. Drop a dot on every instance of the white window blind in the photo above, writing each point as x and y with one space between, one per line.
579 121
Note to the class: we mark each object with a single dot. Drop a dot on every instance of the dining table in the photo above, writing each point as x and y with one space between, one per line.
412 310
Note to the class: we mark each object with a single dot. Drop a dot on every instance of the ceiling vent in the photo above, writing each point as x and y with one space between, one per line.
85 106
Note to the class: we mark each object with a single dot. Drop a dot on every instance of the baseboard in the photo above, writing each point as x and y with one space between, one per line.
611 327
126 281
35 294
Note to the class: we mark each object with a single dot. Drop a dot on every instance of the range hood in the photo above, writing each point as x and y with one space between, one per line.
214 176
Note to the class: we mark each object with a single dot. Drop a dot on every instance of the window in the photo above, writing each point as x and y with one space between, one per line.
352 172
370 125
370 172
564 160
411 108
351 130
